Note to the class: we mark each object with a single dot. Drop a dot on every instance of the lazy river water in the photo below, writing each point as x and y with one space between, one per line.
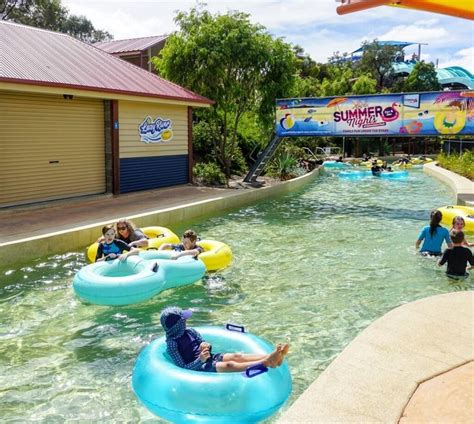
313 268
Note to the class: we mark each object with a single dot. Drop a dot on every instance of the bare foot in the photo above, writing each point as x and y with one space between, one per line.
282 349
272 359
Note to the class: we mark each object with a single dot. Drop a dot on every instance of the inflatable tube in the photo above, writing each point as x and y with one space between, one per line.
449 212
368 163
216 255
402 165
135 279
357 175
183 396
157 236
335 164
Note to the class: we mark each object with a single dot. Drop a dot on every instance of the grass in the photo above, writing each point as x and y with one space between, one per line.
460 164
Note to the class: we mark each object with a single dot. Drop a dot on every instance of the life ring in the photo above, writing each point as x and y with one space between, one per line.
449 212
450 122
136 279
156 237
216 255
181 395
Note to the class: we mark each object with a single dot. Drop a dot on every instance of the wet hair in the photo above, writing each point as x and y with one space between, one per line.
106 228
191 235
436 217
459 219
456 236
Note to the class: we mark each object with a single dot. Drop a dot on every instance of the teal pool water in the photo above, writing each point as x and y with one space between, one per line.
313 268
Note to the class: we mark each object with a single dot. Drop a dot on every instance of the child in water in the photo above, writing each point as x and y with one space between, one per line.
187 247
110 248
433 236
458 225
188 350
458 257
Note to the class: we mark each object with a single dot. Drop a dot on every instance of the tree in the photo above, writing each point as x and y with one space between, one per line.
422 78
364 84
51 15
378 59
233 62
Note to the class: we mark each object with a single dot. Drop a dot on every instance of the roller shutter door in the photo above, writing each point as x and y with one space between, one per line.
50 148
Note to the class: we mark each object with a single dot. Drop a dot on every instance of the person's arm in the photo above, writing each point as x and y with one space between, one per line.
444 258
447 238
470 259
165 246
100 254
172 349
193 252
124 247
141 239
421 237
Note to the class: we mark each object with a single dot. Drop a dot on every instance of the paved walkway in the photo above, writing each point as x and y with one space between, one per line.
373 378
31 221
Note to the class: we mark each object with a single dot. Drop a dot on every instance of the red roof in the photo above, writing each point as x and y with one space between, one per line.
130 45
40 57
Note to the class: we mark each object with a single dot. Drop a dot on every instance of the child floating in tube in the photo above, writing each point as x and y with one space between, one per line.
188 350
187 247
111 248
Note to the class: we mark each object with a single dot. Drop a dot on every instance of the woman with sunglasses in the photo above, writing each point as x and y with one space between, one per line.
127 232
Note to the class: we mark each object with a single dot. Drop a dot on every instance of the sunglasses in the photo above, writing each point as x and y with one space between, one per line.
121 228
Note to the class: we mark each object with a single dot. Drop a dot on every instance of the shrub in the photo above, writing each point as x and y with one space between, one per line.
460 164
209 173
284 166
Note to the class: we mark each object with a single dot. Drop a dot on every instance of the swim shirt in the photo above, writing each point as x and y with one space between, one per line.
117 247
433 244
457 259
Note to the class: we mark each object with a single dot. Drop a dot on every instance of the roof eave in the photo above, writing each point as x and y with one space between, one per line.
198 101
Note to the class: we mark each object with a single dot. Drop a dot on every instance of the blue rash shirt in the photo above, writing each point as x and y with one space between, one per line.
433 243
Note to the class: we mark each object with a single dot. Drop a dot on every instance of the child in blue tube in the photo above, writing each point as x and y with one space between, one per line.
188 350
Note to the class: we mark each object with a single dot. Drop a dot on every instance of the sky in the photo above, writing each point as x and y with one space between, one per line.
313 25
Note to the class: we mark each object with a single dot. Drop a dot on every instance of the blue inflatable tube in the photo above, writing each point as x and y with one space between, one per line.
183 396
357 175
335 164
134 280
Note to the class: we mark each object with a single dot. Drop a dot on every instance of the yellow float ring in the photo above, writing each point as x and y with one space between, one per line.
156 237
216 255
446 128
449 212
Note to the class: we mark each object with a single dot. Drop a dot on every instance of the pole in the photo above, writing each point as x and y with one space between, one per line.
343 145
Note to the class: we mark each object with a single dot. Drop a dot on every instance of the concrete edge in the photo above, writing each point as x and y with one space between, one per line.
78 237
463 187
376 374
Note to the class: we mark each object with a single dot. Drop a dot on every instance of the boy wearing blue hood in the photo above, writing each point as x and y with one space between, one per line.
188 350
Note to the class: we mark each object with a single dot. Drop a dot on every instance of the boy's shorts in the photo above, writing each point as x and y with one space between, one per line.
210 364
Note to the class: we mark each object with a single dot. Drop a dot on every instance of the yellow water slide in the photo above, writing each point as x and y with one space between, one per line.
459 8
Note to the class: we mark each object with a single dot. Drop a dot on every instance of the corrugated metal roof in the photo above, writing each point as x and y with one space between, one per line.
130 45
40 57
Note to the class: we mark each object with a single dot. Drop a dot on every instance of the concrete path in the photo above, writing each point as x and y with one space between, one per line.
373 379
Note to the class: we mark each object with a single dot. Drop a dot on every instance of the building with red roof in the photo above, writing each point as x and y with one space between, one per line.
76 120
138 51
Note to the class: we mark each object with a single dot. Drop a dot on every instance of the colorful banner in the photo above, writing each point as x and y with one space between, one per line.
155 131
437 113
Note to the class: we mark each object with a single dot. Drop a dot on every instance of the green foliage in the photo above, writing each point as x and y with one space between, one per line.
233 62
422 78
209 173
377 60
284 166
460 164
51 15
364 84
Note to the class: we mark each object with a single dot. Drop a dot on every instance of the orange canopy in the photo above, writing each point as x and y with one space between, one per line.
459 8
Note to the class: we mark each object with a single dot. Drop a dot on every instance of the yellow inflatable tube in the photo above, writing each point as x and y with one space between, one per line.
368 163
449 212
216 255
402 165
156 237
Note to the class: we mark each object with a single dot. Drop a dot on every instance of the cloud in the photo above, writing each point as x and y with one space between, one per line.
463 58
416 33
